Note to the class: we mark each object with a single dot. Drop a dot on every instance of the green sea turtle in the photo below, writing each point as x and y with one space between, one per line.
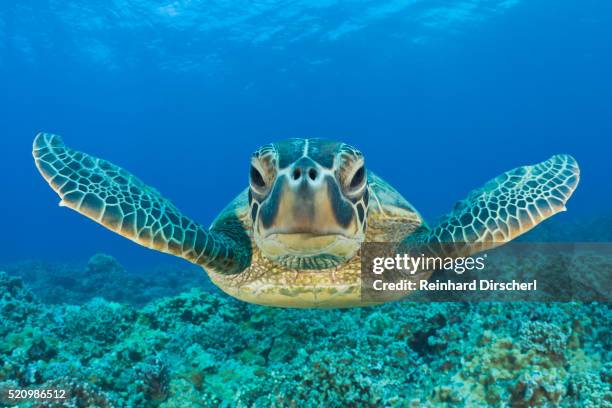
293 237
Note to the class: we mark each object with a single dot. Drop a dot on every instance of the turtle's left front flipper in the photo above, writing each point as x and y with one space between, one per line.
116 199
505 207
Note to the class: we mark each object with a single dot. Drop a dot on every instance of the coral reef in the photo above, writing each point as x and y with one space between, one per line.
204 349
103 276
112 338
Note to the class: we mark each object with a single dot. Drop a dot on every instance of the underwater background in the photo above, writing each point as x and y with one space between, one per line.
440 96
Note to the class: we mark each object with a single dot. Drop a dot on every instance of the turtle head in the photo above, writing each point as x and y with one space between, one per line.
309 202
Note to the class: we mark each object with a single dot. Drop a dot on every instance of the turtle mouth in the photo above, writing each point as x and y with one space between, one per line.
321 261
308 250
305 233
305 242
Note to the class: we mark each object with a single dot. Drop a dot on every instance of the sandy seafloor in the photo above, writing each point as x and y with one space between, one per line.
113 338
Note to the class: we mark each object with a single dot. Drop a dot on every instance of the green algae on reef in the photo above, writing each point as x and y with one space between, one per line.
205 349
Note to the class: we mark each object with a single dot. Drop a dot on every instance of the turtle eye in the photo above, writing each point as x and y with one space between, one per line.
358 178
257 179
354 182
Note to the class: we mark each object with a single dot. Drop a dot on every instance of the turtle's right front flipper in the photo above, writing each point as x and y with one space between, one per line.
505 207
122 203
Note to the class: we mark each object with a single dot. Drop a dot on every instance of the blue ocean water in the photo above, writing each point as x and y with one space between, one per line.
439 96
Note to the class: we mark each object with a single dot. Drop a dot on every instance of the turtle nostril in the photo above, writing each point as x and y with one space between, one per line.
297 173
312 173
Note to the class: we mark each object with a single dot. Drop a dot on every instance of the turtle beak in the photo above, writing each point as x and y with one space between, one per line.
311 205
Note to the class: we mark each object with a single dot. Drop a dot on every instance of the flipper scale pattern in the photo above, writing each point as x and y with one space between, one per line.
507 206
124 204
